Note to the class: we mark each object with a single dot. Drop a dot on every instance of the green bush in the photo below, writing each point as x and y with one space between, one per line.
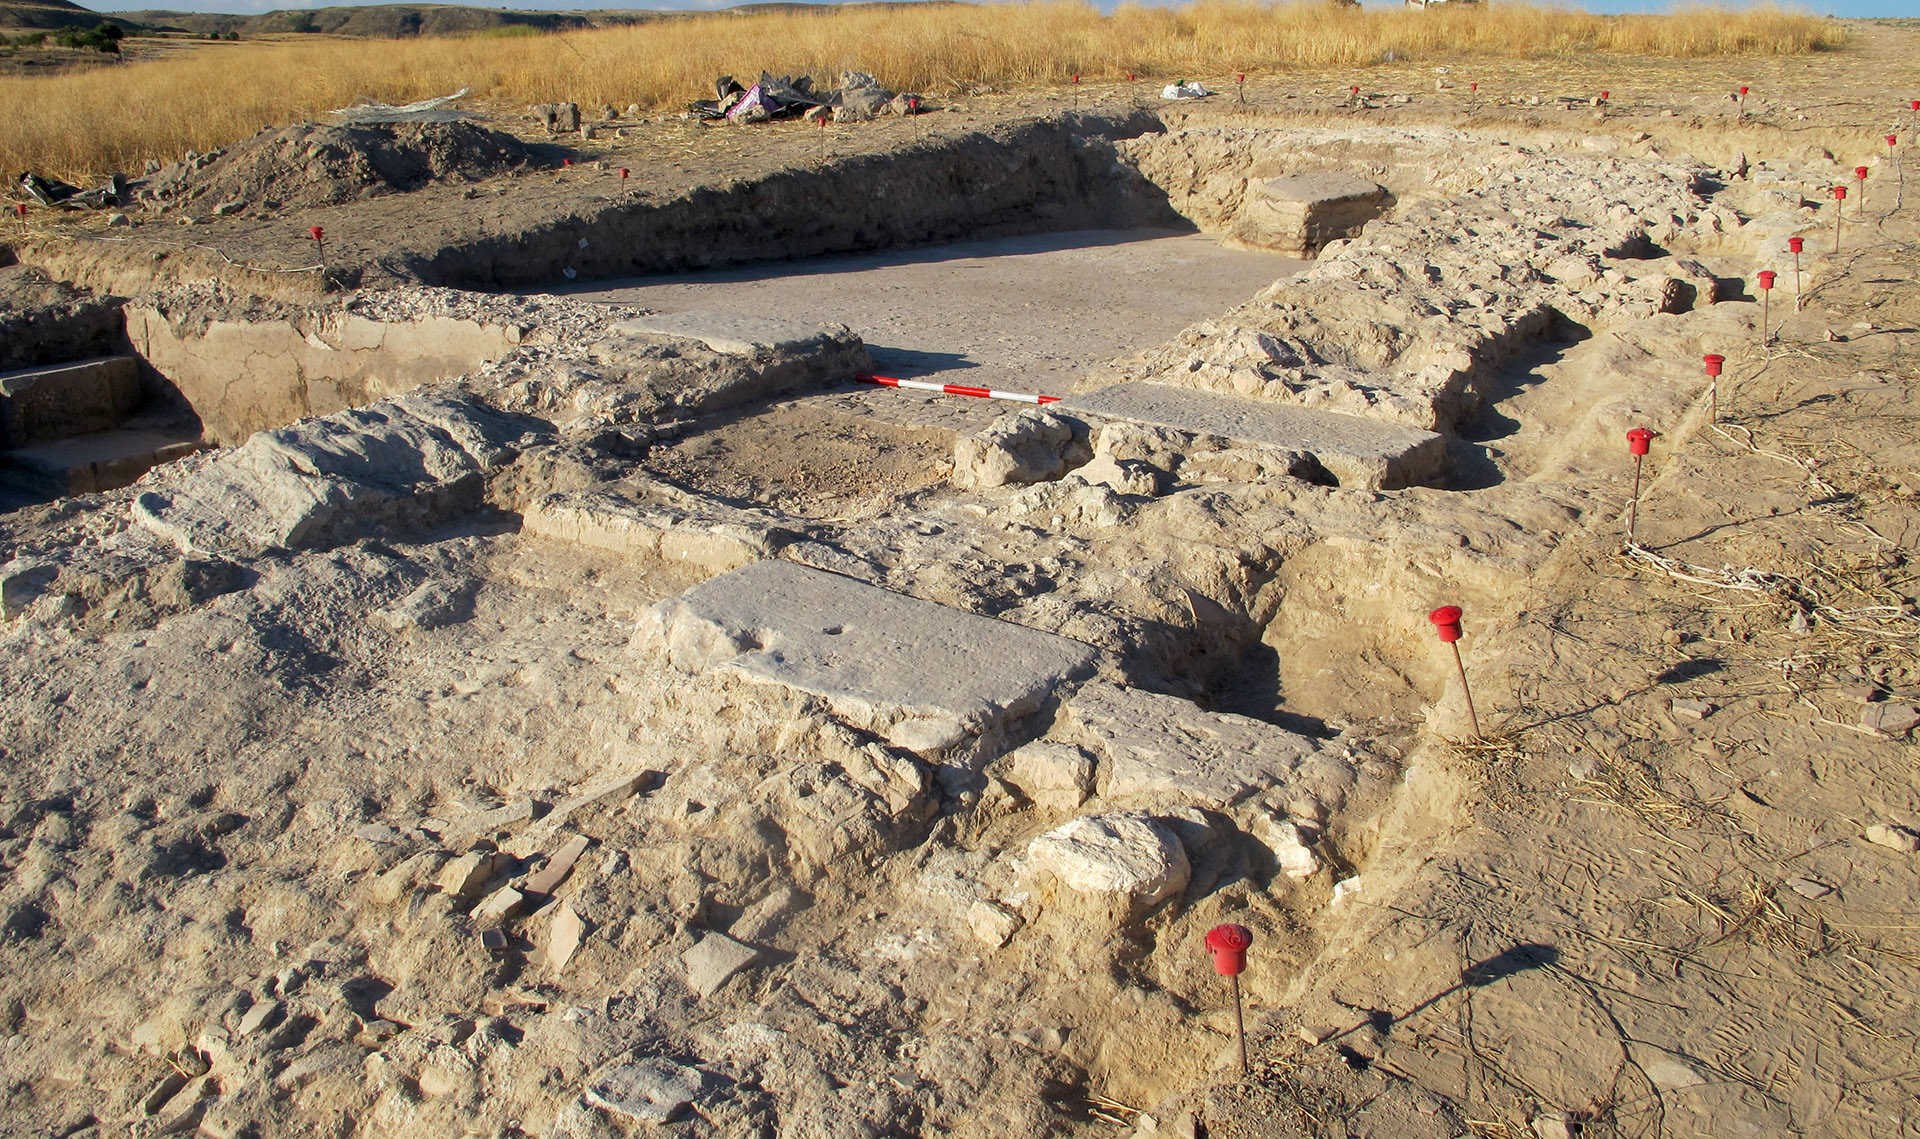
105 37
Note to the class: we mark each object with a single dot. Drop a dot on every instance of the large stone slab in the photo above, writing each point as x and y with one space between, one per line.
1356 451
103 460
925 675
735 334
1163 752
1299 213
40 404
400 464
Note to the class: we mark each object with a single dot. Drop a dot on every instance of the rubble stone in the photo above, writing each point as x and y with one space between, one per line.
1132 858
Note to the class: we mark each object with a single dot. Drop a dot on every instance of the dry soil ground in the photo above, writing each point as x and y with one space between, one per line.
1672 891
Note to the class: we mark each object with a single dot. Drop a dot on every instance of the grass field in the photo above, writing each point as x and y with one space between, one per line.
82 125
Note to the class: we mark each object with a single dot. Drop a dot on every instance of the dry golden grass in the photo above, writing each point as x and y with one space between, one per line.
85 124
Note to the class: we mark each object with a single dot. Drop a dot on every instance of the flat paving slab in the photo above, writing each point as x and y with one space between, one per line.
732 333
1161 752
1355 450
923 674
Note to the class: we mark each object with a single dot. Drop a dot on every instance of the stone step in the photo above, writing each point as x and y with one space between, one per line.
927 677
64 400
1356 451
88 464
649 523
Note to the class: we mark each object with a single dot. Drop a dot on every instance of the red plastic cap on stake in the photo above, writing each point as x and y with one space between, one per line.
1766 278
1355 90
1916 104
1713 361
318 233
624 172
1446 622
1795 244
1839 193
1639 441
1743 90
1228 943
20 208
566 162
1473 87
1604 95
1892 138
1860 172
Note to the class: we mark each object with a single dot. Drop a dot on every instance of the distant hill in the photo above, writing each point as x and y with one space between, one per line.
379 21
50 15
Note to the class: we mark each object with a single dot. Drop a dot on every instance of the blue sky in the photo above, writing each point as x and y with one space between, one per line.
1910 8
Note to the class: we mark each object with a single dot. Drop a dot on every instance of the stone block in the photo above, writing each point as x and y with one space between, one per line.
734 334
1162 752
883 661
1354 450
42 404
707 535
714 960
1130 862
1299 213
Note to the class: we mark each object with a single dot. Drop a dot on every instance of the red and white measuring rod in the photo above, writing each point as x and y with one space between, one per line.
958 389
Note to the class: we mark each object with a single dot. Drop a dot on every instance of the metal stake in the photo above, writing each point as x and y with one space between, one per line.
1239 1025
1633 504
1461 668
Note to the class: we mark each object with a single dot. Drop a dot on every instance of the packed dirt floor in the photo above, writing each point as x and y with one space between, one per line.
544 715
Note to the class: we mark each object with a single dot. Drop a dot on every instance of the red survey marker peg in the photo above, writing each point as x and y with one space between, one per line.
1766 303
319 235
1446 623
1860 176
1840 205
1891 139
623 173
1605 95
1473 88
20 210
1639 442
1713 361
1229 943
1794 246
1240 77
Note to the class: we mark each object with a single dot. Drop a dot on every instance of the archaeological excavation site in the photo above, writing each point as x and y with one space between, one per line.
485 654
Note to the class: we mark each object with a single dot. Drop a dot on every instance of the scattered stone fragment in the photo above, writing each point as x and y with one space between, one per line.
1890 719
1295 857
262 1015
1894 837
1053 775
993 923
1808 888
653 1090
1132 858
397 882
499 906
713 961
487 822
597 791
1862 693
1696 710
468 874
564 934
764 918
549 877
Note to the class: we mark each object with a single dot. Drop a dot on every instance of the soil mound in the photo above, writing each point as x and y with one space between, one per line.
313 164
